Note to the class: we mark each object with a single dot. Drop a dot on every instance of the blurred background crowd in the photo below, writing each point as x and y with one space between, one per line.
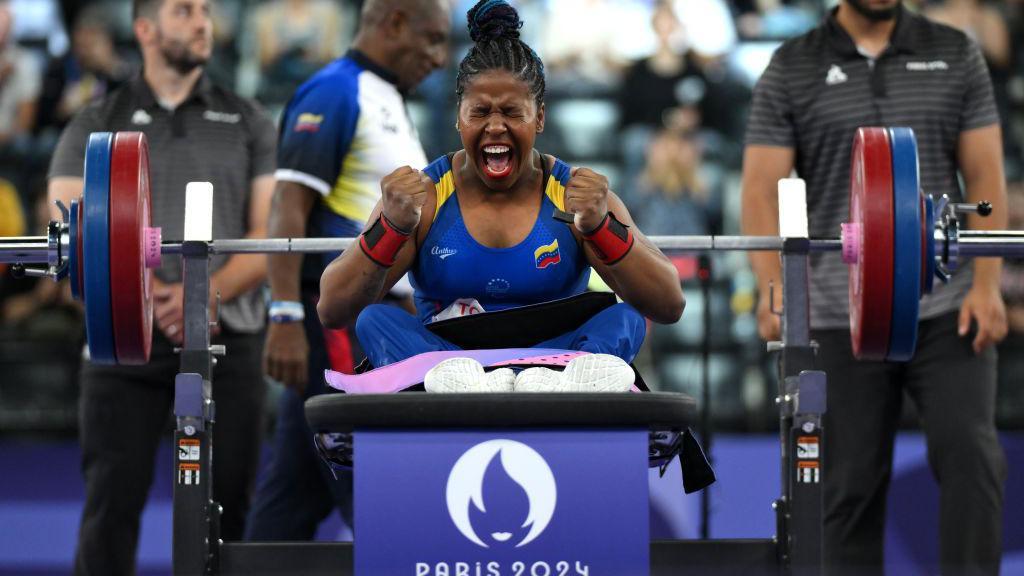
652 93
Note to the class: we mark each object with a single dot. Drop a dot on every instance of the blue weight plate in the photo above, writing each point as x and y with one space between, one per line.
929 247
906 282
73 253
99 324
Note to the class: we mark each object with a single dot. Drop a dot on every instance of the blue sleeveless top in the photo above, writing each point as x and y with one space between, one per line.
450 264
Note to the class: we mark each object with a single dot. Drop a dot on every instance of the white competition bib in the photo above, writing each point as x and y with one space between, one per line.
459 308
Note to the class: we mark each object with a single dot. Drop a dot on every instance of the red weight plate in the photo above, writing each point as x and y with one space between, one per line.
130 280
871 206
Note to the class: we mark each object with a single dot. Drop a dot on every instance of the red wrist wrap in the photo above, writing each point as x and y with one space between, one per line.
611 240
382 241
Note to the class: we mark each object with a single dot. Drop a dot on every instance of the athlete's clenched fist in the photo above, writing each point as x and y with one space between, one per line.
403 193
586 196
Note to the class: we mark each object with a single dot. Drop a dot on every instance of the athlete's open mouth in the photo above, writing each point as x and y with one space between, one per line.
497 160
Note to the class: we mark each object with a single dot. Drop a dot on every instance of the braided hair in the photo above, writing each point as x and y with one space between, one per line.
494 27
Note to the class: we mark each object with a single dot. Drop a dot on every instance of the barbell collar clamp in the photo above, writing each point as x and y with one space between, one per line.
951 245
983 208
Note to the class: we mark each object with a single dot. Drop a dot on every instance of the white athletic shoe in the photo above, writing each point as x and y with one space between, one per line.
467 375
588 373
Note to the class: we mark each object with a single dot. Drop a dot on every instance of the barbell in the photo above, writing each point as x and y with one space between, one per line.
896 242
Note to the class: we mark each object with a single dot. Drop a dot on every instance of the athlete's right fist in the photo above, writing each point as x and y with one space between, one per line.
403 193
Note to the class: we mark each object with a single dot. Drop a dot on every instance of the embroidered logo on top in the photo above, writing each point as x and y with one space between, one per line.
497 287
224 117
835 76
443 253
547 255
927 66
141 117
308 122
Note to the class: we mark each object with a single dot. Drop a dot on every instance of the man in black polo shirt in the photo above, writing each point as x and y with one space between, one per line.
872 63
196 132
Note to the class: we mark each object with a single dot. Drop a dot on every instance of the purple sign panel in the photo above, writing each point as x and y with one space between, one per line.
494 503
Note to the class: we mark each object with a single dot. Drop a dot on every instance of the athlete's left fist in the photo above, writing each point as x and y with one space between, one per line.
586 196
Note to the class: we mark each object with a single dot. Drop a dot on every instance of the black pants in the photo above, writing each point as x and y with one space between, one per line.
297 490
954 392
123 413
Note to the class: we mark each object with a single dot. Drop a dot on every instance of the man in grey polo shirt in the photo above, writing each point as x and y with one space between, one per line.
196 132
871 63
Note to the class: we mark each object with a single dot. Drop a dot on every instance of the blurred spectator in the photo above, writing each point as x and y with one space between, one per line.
12 218
89 71
724 111
655 88
677 194
707 26
587 43
663 81
986 24
37 23
294 38
227 19
19 86
35 308
775 20
709 33
12 215
982 22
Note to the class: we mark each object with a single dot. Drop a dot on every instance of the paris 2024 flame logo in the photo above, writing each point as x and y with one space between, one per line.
501 492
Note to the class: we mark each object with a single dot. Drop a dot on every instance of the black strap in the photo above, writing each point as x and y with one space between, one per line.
697 471
545 172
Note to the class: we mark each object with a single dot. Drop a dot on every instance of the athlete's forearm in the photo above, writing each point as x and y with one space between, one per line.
648 281
349 284
354 281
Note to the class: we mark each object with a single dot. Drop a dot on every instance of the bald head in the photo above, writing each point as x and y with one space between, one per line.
378 11
409 38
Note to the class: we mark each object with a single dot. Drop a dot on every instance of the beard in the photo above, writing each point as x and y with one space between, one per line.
875 14
179 56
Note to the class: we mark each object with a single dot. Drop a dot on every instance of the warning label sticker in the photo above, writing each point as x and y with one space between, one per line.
808 472
807 447
188 450
188 474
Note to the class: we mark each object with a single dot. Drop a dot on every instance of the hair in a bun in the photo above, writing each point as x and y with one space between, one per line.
493 19
494 27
